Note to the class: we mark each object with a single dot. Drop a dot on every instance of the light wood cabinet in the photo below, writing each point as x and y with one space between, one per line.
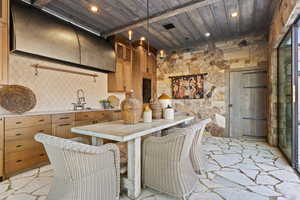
1 147
4 41
4 8
143 70
18 149
62 124
121 80
22 122
21 151
63 130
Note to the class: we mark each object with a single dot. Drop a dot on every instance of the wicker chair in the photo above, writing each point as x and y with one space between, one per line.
166 163
82 172
198 157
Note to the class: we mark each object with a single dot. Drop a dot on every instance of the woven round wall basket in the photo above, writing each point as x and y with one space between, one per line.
17 98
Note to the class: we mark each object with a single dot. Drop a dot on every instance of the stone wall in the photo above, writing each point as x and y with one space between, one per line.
284 16
216 60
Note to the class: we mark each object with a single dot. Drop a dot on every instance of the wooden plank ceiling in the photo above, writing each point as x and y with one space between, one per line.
192 18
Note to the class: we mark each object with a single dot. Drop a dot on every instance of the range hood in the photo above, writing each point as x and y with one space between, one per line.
38 33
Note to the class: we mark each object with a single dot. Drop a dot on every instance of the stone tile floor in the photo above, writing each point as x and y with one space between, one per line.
238 169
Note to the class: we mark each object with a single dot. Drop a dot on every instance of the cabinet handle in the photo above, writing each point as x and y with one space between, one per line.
41 130
42 154
64 118
18 122
18 134
19 161
64 124
18 146
41 120
86 115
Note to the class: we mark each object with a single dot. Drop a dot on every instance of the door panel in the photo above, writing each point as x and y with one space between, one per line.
248 104
285 96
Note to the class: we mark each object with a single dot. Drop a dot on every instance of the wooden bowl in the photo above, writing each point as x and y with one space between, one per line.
17 98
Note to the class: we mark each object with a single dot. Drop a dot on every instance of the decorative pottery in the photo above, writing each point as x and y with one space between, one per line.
169 113
17 98
165 100
157 110
147 115
114 101
131 109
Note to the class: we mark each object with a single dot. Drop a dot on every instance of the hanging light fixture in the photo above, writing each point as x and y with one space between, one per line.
130 33
148 24
161 53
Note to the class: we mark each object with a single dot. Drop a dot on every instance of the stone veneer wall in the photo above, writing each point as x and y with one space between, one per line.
56 90
285 15
216 60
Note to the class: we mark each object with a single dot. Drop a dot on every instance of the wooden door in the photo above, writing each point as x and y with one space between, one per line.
248 98
63 130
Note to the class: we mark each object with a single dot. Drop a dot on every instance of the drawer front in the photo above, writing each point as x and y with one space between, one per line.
18 161
84 116
63 130
83 123
102 116
21 145
26 133
21 122
63 118
116 115
26 154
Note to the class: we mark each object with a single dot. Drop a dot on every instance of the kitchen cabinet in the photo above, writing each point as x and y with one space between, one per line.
18 149
121 80
62 124
4 8
4 51
143 70
1 147
21 151
4 43
63 130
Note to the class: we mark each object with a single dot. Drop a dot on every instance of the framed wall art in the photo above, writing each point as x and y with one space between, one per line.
188 87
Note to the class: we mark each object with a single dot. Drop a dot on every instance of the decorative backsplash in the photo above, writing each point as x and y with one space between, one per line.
57 90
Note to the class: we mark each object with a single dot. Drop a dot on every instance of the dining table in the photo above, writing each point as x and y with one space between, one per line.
132 134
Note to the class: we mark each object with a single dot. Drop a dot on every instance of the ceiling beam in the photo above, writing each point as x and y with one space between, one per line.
163 15
41 3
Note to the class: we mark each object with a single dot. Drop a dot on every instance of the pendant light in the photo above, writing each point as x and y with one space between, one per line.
148 37
130 33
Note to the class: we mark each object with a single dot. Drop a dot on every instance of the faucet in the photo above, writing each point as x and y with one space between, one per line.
80 100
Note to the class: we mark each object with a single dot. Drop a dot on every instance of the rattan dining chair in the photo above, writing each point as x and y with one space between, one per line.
166 163
82 172
197 154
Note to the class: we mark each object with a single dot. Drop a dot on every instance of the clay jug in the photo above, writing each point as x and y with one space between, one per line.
156 109
132 109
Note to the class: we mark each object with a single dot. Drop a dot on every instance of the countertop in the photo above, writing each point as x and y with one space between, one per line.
55 112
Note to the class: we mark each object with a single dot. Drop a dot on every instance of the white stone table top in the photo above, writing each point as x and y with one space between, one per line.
121 132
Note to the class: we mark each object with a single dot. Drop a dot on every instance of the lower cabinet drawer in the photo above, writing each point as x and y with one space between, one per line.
26 133
22 160
20 145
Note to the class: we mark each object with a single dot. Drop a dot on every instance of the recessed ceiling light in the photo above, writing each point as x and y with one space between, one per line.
94 9
234 14
143 38
207 34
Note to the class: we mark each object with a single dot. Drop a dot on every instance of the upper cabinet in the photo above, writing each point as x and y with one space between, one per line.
4 44
121 80
4 11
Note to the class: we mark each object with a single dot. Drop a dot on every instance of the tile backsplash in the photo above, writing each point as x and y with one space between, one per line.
56 90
